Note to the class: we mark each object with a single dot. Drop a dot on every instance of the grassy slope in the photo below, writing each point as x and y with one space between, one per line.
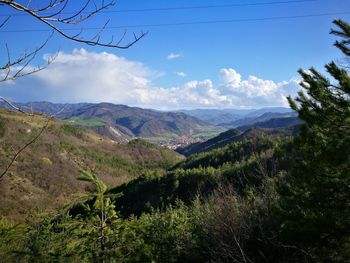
44 175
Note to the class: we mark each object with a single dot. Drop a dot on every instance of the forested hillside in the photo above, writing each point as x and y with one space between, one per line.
244 165
44 175
236 135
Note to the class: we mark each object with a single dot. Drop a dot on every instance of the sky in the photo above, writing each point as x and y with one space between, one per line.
196 54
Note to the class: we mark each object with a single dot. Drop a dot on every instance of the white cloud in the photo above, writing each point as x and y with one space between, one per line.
172 56
229 76
181 74
83 76
254 91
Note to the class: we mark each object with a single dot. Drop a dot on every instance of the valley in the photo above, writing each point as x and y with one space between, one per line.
173 130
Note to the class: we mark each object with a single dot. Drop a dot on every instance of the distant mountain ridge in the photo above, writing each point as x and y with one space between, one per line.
288 126
214 116
121 122
250 120
227 117
273 123
234 135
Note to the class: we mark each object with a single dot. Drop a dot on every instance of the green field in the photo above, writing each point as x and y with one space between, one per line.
206 132
85 122
162 138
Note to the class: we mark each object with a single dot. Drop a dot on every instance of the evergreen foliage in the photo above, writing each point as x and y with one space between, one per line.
245 165
315 194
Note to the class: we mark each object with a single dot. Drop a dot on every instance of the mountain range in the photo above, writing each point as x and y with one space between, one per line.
282 127
121 122
273 123
172 129
227 117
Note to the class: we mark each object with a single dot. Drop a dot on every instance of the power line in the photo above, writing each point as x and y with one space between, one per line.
212 6
184 7
186 23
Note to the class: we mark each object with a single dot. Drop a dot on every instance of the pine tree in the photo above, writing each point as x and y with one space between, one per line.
315 195
96 231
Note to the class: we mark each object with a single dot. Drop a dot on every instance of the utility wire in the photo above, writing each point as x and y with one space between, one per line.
184 7
187 23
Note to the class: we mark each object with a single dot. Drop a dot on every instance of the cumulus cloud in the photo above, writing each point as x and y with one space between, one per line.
172 56
83 76
181 74
255 91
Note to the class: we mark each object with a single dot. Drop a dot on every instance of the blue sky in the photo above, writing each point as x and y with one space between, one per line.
246 63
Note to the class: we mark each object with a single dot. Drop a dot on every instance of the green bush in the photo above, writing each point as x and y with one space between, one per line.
73 130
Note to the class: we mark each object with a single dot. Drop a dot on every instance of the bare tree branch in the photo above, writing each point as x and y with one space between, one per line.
13 106
51 17
57 7
50 14
34 139
14 69
30 142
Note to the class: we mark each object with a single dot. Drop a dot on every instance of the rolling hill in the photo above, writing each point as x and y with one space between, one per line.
215 116
44 175
218 141
273 123
235 135
121 122
232 118
251 120
237 163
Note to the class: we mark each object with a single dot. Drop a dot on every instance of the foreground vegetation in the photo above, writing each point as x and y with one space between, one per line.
260 200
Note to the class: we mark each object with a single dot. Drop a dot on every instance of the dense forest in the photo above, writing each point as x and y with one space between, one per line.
262 199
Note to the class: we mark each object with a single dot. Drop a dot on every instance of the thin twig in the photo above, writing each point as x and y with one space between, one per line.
9 103
22 63
76 18
35 138
15 156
